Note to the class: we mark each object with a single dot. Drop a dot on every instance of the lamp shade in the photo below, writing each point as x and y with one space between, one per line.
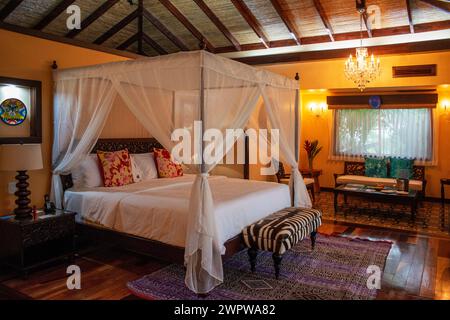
20 157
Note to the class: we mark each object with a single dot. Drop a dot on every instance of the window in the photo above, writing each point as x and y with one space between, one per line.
405 133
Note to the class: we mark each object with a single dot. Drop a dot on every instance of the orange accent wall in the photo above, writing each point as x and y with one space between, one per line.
317 77
30 58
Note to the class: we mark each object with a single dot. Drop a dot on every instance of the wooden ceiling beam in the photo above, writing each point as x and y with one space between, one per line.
412 47
324 18
410 20
443 5
141 27
423 27
162 28
9 8
92 17
60 39
287 22
211 15
152 43
252 21
55 12
174 11
117 27
124 45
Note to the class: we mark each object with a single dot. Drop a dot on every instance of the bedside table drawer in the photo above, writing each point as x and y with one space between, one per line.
46 230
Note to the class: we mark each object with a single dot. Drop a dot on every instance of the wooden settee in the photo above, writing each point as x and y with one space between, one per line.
354 172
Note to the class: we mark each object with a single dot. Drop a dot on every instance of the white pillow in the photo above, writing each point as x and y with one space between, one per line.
143 166
87 174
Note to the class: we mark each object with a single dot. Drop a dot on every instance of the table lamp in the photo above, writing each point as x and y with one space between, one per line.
20 158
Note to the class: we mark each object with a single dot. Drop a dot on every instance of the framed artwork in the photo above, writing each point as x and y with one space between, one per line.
20 111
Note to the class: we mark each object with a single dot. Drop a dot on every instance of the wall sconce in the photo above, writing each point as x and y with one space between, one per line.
445 106
317 108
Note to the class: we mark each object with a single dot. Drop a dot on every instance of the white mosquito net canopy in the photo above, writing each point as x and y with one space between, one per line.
170 92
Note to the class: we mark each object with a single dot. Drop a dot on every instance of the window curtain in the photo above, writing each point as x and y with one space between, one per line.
81 108
405 133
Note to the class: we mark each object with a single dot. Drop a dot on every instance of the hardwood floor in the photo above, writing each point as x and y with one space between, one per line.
418 267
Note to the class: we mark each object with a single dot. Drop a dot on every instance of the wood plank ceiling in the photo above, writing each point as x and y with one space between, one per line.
157 27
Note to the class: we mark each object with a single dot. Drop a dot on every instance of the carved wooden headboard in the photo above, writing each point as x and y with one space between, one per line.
134 145
137 145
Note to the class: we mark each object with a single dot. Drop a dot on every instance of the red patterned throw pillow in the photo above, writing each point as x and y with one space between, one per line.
116 168
166 167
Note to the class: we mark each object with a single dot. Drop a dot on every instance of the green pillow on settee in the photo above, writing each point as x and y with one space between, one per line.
401 168
376 167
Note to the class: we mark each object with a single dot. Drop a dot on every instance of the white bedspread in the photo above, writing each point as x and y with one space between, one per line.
157 209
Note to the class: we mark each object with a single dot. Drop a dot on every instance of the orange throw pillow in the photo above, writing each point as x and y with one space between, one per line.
166 167
116 168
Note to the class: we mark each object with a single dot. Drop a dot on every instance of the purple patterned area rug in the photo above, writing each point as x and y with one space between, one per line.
335 270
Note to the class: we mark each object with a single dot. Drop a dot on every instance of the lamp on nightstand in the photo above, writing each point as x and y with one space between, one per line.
20 158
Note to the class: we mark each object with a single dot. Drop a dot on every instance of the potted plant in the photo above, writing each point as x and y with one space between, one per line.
312 150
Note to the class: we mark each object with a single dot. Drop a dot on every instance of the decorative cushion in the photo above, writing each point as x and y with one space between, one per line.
282 230
87 174
143 167
116 168
371 181
376 167
401 168
166 167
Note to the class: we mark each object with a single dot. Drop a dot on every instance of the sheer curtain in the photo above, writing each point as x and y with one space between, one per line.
406 133
280 107
81 109
228 101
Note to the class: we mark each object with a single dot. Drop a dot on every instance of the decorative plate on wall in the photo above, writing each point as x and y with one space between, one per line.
13 111
375 102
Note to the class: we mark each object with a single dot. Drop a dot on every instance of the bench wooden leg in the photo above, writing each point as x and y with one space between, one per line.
313 239
277 262
252 254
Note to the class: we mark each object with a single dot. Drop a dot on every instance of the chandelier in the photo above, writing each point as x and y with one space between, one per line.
362 70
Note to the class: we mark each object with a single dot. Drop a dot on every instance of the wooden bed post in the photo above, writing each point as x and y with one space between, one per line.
297 97
296 118
202 112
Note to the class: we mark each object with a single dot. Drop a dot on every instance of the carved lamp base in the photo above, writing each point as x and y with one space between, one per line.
23 210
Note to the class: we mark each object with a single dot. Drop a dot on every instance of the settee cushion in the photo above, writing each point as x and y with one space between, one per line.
401 168
372 181
376 167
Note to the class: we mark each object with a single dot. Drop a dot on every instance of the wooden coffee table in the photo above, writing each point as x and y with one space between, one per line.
410 199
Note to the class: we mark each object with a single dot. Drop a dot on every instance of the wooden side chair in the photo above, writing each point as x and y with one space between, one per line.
283 177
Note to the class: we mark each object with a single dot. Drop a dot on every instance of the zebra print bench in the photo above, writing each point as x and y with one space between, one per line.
279 232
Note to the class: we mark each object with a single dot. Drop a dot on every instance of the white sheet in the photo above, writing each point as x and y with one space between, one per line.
157 209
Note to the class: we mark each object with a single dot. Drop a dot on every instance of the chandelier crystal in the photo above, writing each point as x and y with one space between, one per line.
362 70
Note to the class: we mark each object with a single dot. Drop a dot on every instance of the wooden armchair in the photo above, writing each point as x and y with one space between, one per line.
283 177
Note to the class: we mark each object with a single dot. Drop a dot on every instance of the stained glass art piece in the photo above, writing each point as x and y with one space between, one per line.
13 111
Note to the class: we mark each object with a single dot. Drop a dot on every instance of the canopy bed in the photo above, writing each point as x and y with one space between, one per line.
166 93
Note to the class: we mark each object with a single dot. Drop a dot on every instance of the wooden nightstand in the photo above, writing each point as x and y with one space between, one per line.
306 173
30 243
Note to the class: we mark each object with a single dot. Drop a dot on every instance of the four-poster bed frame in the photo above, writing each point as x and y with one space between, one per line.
91 232
88 232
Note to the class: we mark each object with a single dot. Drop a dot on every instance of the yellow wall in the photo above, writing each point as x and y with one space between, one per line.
319 76
30 58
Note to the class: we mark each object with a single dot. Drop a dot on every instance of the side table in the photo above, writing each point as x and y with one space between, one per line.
26 244
316 173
